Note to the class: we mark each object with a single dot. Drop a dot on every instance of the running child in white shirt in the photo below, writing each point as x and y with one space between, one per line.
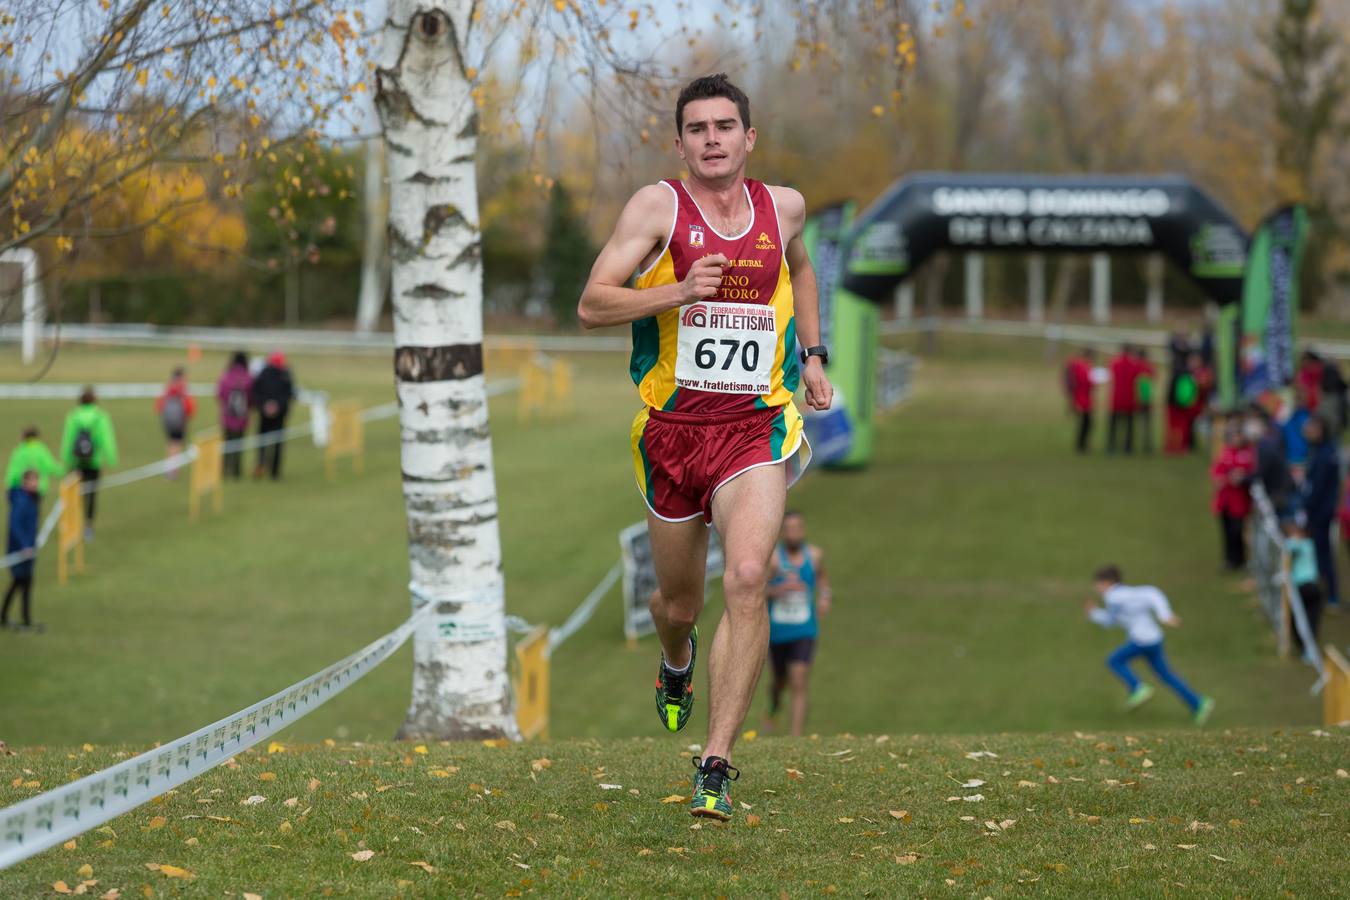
1141 610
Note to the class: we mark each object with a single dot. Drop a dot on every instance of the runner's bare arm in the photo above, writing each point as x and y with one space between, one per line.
805 299
641 231
824 593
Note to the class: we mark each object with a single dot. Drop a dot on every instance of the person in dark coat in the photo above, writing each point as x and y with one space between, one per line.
1272 469
273 391
23 529
1321 491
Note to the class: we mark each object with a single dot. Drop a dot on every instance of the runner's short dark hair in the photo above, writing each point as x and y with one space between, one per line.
1109 574
706 88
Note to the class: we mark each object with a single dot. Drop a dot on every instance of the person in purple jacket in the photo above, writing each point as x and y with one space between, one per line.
234 391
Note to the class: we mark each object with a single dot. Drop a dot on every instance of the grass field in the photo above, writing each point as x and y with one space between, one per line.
1248 813
960 560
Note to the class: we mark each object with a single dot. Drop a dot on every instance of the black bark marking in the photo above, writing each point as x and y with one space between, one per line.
438 217
453 362
470 129
431 292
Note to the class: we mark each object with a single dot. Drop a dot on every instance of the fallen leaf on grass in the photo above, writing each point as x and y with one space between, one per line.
156 822
674 798
1341 773
1187 846
267 776
61 887
362 855
1150 847
438 773
752 820
496 742
1218 857
170 871
116 894
1148 763
1197 825
248 896
69 845
420 748
290 802
845 820
424 866
750 735
905 859
611 787
253 801
1027 784
794 774
901 814
969 798
538 765
645 851
506 825
981 754
85 871
973 783
313 784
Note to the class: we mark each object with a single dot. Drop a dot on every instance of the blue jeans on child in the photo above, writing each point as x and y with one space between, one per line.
1119 662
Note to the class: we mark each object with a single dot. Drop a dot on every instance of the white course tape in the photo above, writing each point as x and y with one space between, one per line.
52 818
582 614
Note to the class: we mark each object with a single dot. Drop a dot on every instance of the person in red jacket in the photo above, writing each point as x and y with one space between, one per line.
1124 399
175 408
1230 475
1310 376
1078 387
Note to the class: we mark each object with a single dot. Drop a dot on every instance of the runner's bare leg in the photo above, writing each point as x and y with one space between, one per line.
798 676
748 513
680 554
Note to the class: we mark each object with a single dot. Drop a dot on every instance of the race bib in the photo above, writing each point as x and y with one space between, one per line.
791 609
726 348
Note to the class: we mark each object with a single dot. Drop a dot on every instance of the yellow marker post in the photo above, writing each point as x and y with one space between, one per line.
532 684
346 437
561 387
1336 692
70 527
534 391
205 476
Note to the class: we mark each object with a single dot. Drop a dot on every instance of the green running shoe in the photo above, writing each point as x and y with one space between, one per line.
712 788
1203 711
1139 696
675 693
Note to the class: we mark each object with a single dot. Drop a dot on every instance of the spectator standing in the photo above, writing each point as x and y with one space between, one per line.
273 391
234 393
1123 398
1333 403
1078 387
1143 397
1183 405
1291 430
1272 470
1309 375
23 529
32 455
1232 499
1303 574
90 446
175 408
1321 491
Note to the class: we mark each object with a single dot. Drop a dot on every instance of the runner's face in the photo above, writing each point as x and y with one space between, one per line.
714 143
794 531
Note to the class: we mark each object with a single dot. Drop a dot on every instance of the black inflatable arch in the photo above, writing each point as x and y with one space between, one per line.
932 211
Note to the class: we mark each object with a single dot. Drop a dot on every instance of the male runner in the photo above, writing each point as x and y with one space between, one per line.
799 595
720 260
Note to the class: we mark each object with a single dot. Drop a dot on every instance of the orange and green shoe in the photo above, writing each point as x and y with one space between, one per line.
712 788
675 691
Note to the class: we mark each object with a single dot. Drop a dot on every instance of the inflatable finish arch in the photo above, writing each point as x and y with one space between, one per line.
934 211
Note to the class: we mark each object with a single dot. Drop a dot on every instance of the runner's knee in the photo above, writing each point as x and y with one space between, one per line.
746 577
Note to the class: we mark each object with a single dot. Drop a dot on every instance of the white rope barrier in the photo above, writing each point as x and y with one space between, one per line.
40 822
582 614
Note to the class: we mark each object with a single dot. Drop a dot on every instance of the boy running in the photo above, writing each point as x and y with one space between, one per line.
1141 610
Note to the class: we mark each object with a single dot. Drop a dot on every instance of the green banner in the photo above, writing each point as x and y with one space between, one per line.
1266 356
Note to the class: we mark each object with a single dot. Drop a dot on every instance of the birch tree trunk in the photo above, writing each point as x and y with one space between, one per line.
423 94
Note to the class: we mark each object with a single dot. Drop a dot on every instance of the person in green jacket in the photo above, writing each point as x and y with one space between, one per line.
32 454
89 445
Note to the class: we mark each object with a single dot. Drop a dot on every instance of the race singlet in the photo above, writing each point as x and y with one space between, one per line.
736 351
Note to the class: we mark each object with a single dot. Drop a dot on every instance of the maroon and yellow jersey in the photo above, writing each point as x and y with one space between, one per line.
736 351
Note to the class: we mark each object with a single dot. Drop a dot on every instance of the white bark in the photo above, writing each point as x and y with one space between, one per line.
374 258
460 683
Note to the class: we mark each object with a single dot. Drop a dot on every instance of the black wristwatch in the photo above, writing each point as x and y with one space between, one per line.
818 350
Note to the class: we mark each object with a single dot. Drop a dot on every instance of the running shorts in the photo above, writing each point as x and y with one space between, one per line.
801 650
681 460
